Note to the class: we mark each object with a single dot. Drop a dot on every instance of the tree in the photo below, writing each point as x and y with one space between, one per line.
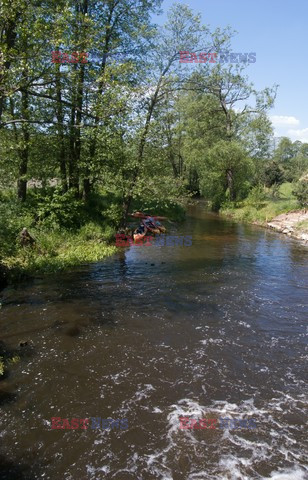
227 173
231 88
183 31
273 174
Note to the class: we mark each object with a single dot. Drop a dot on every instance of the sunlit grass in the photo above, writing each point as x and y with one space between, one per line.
266 209
55 251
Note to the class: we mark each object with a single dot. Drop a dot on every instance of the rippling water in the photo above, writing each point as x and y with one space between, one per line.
214 330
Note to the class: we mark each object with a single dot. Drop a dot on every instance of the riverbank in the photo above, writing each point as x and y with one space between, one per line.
55 251
294 224
278 210
64 232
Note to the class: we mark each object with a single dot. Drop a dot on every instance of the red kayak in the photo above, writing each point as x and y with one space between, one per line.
143 215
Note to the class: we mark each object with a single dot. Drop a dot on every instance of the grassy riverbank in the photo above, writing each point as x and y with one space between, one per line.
66 232
55 251
58 250
263 204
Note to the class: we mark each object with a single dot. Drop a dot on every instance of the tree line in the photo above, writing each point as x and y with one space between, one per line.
132 121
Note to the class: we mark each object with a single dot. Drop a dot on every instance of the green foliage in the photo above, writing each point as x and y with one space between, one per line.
114 213
273 174
13 217
300 191
292 158
66 232
174 211
58 250
227 173
97 232
10 361
275 191
260 206
61 210
256 197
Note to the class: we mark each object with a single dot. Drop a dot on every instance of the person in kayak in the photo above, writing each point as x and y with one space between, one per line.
150 222
157 224
140 230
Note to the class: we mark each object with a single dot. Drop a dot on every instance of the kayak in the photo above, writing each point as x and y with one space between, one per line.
162 228
151 227
156 223
143 215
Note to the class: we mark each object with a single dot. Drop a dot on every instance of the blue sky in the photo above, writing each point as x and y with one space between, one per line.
277 30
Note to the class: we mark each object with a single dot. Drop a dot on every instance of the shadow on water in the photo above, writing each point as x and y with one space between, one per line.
6 396
7 388
12 470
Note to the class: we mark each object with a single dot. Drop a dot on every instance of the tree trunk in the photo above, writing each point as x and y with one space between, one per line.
76 117
73 179
125 209
10 38
87 183
60 119
24 152
230 184
86 189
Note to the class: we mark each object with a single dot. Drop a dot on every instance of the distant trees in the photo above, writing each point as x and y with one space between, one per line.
292 158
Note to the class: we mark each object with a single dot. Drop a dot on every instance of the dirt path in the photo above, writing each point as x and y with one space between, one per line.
291 224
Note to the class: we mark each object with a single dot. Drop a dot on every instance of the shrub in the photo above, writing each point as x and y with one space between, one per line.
300 191
61 210
256 197
273 174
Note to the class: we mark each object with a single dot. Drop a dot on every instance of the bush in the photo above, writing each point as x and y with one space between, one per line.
300 191
13 217
273 174
275 191
61 210
256 197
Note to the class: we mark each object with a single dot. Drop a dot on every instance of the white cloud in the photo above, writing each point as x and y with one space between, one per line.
283 120
301 135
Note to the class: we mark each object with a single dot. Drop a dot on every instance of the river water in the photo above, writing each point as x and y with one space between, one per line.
216 329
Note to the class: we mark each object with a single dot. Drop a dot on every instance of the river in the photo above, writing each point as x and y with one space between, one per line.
215 329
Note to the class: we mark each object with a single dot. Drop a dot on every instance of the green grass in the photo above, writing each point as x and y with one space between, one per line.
1 366
58 250
261 207
88 238
8 361
67 233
